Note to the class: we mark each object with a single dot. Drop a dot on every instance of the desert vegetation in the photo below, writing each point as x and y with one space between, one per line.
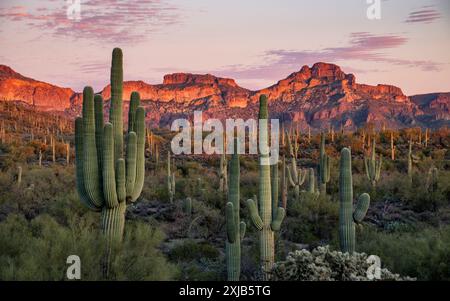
334 198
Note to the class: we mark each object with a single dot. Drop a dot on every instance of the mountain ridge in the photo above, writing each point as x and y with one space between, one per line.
318 96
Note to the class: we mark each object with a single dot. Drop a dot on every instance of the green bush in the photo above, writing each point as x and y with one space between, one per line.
38 250
423 254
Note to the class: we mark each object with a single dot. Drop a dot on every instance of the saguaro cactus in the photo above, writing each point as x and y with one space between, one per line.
106 181
284 190
432 179
296 176
170 180
373 166
347 216
223 177
270 216
410 162
311 194
324 166
235 228
187 208
392 147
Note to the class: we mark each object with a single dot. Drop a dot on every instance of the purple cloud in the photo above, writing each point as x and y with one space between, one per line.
115 21
362 46
426 14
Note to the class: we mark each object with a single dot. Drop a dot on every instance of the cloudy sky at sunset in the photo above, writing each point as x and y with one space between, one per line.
257 42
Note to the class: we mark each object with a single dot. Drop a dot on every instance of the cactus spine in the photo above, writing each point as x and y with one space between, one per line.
170 179
373 166
324 166
235 228
106 181
347 216
266 220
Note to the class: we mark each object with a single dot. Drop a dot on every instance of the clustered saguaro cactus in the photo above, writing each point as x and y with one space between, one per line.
347 216
373 166
235 228
270 216
311 194
296 176
170 180
324 166
106 181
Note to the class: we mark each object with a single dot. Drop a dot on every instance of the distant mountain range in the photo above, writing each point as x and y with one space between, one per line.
317 96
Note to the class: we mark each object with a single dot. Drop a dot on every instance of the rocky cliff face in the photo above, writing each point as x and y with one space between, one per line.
317 96
16 87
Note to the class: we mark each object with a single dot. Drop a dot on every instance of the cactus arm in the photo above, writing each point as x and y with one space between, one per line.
90 165
274 184
139 128
109 178
327 168
134 104
115 111
79 165
362 206
242 228
289 176
301 176
378 168
231 226
130 163
99 125
311 181
366 164
254 215
279 216
120 180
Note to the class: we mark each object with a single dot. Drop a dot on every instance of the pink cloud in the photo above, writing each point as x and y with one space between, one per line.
425 15
105 21
362 46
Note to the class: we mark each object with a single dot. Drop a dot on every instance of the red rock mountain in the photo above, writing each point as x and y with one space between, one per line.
317 96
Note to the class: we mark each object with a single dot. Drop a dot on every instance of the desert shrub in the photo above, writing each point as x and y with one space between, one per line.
310 221
424 254
191 250
322 264
38 249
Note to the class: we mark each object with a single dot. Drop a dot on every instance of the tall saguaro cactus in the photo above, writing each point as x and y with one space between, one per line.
223 177
170 180
410 162
324 166
373 166
235 228
106 181
270 216
347 216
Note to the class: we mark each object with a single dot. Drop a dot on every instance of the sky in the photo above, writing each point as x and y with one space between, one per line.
405 43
